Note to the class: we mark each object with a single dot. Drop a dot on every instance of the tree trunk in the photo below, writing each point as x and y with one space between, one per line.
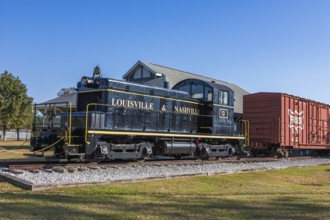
4 135
26 134
17 130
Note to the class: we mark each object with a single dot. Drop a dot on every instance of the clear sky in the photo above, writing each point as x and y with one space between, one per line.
260 45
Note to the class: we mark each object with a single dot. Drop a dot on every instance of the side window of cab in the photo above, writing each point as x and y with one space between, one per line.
223 97
208 94
197 89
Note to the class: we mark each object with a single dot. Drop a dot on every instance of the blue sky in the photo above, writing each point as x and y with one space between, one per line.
266 45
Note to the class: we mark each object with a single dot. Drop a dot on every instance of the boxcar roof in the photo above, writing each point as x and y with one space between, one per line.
288 95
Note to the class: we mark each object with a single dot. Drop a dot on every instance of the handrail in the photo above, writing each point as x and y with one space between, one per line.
170 115
70 122
247 132
108 105
46 148
87 107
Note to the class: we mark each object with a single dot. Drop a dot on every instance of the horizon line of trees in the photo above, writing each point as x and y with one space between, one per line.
15 105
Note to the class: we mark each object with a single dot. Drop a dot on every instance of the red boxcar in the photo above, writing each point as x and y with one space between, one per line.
282 122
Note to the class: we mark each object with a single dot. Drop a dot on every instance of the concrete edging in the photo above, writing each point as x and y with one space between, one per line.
17 182
30 186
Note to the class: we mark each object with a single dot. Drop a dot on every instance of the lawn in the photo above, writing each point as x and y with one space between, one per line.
294 193
12 149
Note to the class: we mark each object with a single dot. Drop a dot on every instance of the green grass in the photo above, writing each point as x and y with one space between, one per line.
12 149
295 193
14 143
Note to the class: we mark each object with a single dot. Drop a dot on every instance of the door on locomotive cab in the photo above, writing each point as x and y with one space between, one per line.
205 122
223 109
203 93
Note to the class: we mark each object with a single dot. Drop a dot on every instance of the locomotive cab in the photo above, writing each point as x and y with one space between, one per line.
217 109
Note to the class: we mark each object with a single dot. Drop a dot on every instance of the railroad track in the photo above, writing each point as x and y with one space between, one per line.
14 165
39 176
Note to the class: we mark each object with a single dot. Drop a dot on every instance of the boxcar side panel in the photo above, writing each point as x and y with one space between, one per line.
263 111
287 121
305 123
294 121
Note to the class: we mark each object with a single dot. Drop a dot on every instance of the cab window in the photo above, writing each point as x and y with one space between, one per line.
197 91
208 94
185 88
223 97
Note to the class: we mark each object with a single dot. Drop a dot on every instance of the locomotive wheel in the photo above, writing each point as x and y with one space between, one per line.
144 156
178 157
59 152
230 152
204 154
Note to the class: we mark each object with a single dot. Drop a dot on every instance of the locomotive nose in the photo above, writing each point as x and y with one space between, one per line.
43 140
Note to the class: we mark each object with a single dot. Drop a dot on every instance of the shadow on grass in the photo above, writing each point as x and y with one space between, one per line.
38 206
15 147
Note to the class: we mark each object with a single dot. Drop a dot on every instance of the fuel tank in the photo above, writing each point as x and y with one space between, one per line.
175 148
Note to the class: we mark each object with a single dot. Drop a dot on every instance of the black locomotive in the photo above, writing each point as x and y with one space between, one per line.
122 120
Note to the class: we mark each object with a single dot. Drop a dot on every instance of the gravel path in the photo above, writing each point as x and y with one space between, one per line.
140 172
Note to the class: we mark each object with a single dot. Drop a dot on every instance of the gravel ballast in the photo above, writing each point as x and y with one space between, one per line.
141 172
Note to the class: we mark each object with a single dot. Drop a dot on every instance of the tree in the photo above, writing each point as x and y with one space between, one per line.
25 115
15 108
1 104
66 91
